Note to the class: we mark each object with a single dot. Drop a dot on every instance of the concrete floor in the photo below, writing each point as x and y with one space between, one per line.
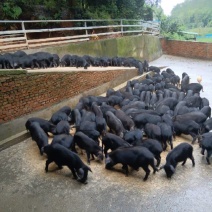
24 185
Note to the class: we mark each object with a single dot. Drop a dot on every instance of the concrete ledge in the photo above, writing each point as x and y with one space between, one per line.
80 69
14 140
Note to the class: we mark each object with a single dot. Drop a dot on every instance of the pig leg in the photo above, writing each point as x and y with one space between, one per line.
203 151
47 164
184 162
92 156
73 172
209 152
125 167
153 166
192 159
158 158
170 142
146 169
105 151
88 157
193 136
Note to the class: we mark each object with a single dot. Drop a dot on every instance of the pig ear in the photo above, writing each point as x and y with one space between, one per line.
161 167
172 168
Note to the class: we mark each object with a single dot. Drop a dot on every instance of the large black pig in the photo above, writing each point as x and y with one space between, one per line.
134 157
179 154
65 157
89 145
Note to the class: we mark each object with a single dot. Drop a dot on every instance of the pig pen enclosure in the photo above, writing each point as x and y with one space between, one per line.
26 187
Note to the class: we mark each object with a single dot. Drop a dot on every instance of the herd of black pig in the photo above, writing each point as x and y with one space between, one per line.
20 59
136 124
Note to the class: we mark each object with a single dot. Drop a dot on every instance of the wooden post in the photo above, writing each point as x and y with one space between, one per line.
86 31
122 28
23 29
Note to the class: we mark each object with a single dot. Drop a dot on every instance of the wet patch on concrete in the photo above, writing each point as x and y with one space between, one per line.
25 184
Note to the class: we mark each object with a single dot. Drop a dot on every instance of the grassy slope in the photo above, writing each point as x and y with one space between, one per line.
201 32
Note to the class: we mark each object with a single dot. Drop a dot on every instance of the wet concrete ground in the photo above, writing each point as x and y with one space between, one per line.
24 185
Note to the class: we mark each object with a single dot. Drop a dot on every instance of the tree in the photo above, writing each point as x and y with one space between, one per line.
172 28
54 9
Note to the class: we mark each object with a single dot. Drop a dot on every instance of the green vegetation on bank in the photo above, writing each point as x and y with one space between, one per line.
202 30
202 34
206 40
190 16
12 72
76 9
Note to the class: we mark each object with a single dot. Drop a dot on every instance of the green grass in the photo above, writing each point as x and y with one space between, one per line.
201 31
11 72
207 40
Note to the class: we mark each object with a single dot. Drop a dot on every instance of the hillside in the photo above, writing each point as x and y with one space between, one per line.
194 13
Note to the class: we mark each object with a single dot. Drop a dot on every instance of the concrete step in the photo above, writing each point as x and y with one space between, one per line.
15 139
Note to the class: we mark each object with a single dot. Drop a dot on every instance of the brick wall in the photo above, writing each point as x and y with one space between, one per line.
190 49
26 93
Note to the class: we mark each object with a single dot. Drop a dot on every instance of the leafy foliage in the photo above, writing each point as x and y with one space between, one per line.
77 9
185 16
11 10
169 27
